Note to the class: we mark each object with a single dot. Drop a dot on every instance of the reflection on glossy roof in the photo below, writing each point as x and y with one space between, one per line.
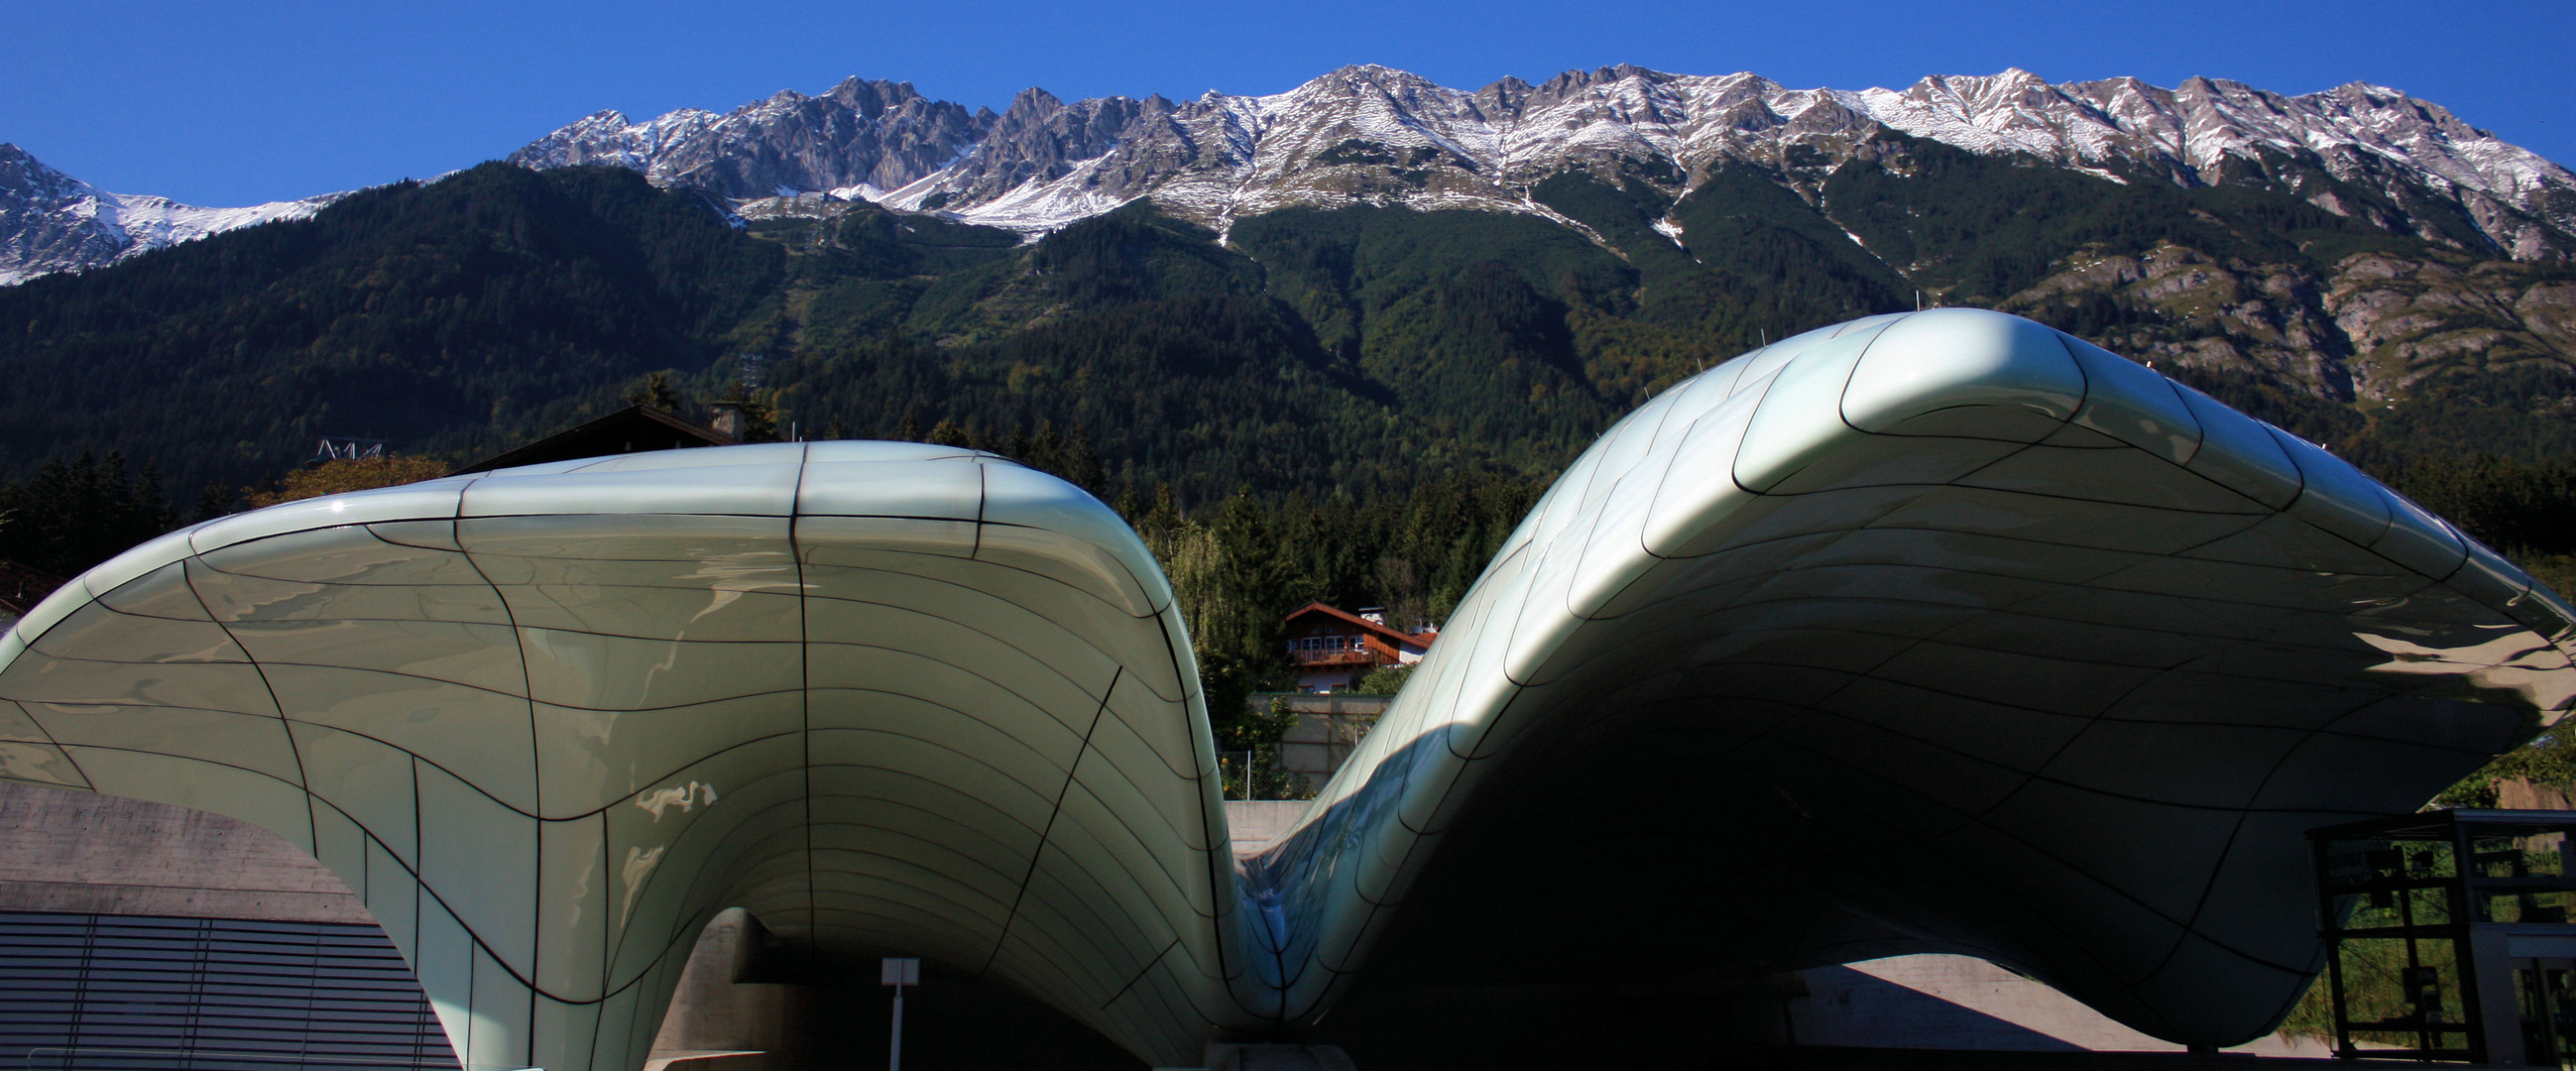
2075 651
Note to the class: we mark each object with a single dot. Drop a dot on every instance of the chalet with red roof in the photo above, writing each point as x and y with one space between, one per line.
1334 648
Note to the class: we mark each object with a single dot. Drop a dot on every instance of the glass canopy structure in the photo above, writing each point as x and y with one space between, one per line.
1930 632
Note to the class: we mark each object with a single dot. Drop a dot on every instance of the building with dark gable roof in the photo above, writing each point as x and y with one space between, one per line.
626 431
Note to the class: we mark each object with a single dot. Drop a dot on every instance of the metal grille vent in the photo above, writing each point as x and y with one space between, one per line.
122 993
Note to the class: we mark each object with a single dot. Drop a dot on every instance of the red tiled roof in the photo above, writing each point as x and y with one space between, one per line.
1422 639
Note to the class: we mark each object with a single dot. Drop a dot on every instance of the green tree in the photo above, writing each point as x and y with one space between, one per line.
658 393
1384 680
341 475
73 514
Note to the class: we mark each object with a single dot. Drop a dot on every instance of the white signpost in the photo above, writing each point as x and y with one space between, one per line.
898 971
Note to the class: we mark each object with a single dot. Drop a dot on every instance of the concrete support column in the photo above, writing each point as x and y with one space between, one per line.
715 1010
2499 1009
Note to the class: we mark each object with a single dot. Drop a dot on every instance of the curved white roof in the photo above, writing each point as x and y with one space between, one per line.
2084 650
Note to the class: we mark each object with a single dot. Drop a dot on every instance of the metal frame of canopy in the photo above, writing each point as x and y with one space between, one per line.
2487 962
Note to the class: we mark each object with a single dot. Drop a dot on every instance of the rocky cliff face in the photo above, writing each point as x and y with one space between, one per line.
2408 318
2370 328
51 222
2201 312
1371 135
1376 136
861 137
2367 328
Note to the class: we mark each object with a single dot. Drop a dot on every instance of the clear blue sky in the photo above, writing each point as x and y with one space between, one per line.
224 103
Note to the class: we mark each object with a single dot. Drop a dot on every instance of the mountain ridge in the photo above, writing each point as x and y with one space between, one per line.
50 221
1368 134
1351 351
1377 135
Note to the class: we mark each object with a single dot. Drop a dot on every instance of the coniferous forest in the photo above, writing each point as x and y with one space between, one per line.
1351 405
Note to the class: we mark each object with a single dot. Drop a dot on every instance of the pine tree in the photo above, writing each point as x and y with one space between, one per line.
657 393
1078 464
214 500
73 515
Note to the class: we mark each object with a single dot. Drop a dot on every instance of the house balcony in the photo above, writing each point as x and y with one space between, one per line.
1332 658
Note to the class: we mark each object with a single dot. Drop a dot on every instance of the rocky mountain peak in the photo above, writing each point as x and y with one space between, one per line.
51 222
26 184
1371 134
860 135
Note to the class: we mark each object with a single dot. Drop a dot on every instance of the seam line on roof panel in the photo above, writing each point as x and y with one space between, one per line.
1140 975
969 590
2058 587
1768 735
2039 771
1979 820
1841 417
991 564
430 892
2259 512
983 491
2142 558
980 719
303 781
536 769
2070 937
805 694
1226 886
1047 835
1753 409
414 868
570 706
2192 925
1162 867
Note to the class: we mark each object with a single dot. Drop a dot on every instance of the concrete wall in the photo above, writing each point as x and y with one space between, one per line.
2519 794
1956 1002
1328 727
718 1008
1253 823
86 853
80 852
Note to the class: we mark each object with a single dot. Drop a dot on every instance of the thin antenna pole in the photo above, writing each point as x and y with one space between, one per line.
894 1050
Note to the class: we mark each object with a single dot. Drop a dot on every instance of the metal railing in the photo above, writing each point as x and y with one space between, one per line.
1257 775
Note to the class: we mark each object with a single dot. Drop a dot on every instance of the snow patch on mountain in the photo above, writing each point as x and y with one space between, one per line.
1375 135
1378 136
859 133
51 222
156 222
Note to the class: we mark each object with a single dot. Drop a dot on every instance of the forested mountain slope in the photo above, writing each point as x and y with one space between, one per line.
1390 385
1352 351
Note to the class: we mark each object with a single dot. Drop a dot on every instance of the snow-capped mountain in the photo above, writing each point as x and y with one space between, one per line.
51 222
861 135
1375 135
